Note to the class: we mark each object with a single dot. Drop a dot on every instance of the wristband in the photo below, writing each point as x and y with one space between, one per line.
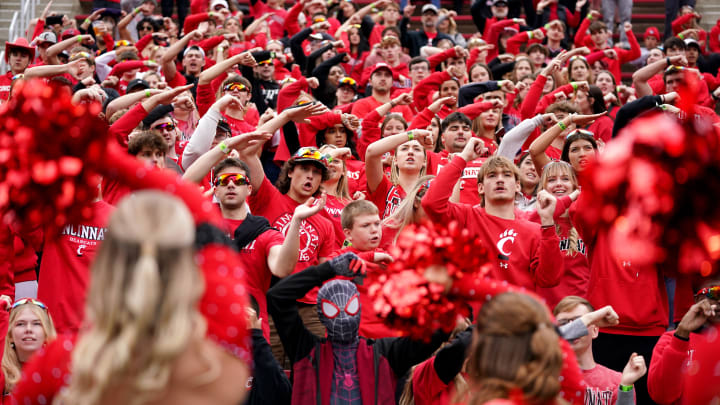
79 38
681 36
87 21
684 339
547 26
626 388
137 10
561 125
574 86
224 148
147 93
530 35
667 60
410 135
589 16
547 226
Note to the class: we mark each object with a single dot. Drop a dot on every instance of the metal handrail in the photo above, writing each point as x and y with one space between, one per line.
20 21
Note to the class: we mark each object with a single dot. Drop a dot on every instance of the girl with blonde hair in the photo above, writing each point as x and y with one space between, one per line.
30 328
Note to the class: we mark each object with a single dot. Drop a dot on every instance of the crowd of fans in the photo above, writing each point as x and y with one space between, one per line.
320 132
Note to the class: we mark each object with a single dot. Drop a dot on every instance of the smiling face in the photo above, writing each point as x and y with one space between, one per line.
27 333
528 174
558 180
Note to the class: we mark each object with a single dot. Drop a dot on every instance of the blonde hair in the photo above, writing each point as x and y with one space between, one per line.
515 347
395 169
11 365
341 188
557 168
406 213
141 311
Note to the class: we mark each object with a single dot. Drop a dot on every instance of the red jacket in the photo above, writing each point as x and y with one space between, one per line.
670 357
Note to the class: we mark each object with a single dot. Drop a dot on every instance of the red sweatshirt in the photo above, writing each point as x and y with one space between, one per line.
637 293
623 56
670 357
526 255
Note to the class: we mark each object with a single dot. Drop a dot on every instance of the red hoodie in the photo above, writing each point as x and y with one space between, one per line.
670 357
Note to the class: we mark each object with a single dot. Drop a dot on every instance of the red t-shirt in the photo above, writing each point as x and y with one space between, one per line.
387 197
317 235
66 263
254 256
428 388
332 211
363 106
468 181
355 175
5 82
602 385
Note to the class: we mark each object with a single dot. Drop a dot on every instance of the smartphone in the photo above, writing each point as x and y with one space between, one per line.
54 19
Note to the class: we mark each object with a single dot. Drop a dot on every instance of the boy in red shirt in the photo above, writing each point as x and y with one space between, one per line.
604 386
363 231
528 255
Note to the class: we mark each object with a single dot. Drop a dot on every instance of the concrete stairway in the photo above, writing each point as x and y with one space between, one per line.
9 7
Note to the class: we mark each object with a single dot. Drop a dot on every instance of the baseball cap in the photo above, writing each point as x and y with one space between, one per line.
46 36
313 155
348 82
69 33
691 42
215 3
137 84
652 32
378 66
496 2
429 7
194 48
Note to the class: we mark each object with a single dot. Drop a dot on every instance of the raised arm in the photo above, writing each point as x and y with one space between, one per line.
168 59
209 74
641 77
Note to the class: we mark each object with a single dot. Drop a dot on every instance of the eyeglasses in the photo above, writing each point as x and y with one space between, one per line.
28 301
167 126
348 80
122 42
234 86
710 292
580 131
309 152
238 179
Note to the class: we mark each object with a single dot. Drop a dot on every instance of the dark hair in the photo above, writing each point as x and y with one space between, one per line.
596 26
418 60
283 181
349 143
572 139
674 42
598 105
452 118
147 20
396 30
146 139
231 162
484 66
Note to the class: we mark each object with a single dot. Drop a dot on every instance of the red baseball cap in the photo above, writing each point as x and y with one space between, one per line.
20 43
69 33
381 65
652 32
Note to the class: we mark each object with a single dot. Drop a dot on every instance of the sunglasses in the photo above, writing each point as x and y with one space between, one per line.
710 292
580 131
265 62
238 179
168 126
146 28
319 19
234 86
122 42
28 301
674 68
348 80
303 102
79 55
576 57
313 153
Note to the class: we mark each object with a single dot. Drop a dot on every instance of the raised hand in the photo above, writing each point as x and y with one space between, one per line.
583 120
302 113
348 265
549 119
474 148
168 96
634 370
351 122
313 82
546 203
423 136
310 207
696 317
602 318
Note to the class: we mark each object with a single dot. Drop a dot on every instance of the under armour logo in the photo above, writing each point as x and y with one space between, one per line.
504 265
626 263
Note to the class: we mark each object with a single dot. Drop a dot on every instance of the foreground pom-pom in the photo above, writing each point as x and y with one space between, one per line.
47 148
656 188
413 295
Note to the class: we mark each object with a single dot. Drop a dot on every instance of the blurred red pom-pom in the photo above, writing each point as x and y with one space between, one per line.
413 294
656 188
48 146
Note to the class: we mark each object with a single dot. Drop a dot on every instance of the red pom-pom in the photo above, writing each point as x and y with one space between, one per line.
655 189
47 148
413 294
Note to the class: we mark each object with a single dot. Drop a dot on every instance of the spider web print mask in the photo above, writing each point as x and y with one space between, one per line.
339 310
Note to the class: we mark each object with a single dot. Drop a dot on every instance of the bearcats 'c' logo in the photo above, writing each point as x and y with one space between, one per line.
507 236
80 249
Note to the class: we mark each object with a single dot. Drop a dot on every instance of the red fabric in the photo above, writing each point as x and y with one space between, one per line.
602 128
370 129
317 235
122 67
428 388
714 42
602 385
678 23
703 387
332 211
307 132
526 255
387 197
143 42
441 57
193 21
254 257
532 98
423 91
355 175
615 281
5 82
44 366
66 262
364 106
291 24
665 375
493 34
275 21
623 56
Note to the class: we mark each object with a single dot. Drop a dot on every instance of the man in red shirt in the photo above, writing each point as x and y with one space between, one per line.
672 356
604 386
381 80
528 255
18 55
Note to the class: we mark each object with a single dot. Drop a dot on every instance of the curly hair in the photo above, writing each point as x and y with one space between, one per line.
515 347
142 305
